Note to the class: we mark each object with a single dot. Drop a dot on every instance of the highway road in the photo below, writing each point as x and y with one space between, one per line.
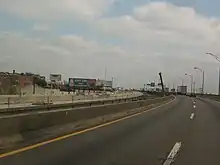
187 134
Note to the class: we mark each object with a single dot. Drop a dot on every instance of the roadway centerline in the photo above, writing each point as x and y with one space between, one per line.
192 116
173 153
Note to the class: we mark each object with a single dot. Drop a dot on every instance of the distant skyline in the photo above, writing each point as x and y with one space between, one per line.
133 39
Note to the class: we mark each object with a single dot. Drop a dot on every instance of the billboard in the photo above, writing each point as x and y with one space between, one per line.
82 83
107 84
55 77
104 83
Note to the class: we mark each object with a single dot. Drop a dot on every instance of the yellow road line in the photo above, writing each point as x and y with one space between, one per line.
75 133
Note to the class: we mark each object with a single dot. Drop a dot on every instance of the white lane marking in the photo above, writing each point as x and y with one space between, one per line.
194 106
173 153
192 116
194 101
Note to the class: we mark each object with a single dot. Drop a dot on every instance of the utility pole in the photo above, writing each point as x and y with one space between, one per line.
191 76
217 57
219 83
105 73
182 80
34 84
112 82
161 80
203 78
194 87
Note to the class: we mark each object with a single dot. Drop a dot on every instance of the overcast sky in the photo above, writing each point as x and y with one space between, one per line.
133 39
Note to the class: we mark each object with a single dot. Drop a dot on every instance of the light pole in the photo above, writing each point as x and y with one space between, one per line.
113 82
105 73
182 79
203 78
191 76
218 59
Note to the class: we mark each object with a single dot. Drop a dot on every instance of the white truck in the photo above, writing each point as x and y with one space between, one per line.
182 90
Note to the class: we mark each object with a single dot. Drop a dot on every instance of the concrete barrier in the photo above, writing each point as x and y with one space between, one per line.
18 110
23 123
17 99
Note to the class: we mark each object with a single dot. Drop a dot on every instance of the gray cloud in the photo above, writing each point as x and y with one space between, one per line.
56 9
41 27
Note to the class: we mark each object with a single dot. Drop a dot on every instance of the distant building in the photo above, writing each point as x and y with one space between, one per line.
104 84
153 87
12 83
166 89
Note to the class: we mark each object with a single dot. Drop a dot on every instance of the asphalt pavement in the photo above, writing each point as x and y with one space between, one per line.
184 132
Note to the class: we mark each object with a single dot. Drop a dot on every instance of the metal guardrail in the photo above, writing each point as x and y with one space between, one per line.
48 107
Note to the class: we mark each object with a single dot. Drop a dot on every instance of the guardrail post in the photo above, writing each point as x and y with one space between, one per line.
72 101
72 98
8 102
140 104
48 100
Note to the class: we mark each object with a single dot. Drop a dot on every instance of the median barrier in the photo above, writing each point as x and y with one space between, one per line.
19 124
47 107
62 106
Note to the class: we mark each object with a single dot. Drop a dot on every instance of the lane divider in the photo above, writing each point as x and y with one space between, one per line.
78 132
173 153
194 103
192 116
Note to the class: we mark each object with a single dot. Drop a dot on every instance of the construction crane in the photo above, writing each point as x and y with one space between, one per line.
161 80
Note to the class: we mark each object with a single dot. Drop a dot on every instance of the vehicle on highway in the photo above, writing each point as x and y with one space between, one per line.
182 90
192 95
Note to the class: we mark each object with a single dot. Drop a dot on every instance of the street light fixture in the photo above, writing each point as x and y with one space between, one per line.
215 56
203 77
191 76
